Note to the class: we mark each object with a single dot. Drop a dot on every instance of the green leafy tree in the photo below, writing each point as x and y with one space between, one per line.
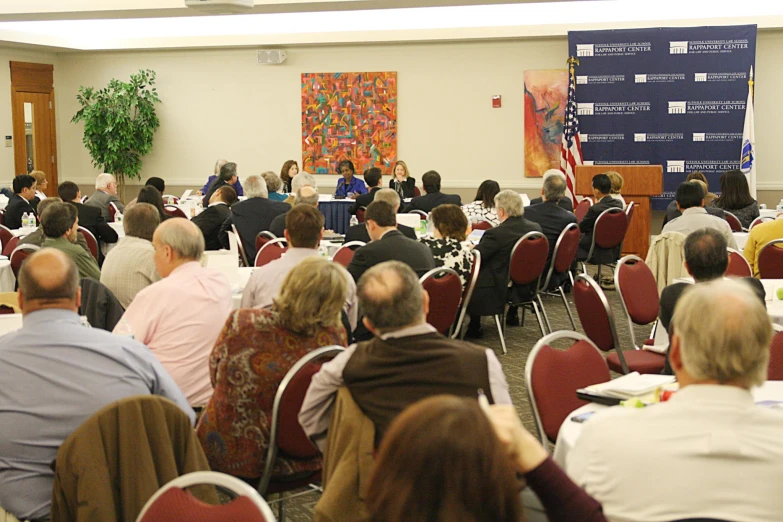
119 124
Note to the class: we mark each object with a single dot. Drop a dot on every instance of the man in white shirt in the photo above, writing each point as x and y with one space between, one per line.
709 452
690 201
105 193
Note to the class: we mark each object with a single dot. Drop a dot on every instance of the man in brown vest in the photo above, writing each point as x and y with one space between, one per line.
406 361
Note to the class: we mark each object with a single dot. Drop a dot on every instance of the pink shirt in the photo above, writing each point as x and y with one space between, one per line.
179 318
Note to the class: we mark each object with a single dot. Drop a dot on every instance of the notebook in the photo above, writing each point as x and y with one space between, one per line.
632 385
186 194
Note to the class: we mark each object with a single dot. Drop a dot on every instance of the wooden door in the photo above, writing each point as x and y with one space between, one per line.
35 137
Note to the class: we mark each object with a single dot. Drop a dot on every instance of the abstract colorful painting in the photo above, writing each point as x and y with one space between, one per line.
349 116
546 94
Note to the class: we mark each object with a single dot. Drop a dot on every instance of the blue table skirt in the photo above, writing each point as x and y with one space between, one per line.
337 214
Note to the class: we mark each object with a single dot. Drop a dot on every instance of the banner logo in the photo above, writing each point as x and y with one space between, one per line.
639 137
699 136
585 109
706 166
678 107
675 166
659 78
659 137
721 77
585 50
601 138
678 47
717 136
700 77
613 49
604 79
614 108
622 162
708 46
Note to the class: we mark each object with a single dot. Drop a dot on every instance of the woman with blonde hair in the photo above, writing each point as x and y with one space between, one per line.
287 173
401 180
255 350
40 184
617 185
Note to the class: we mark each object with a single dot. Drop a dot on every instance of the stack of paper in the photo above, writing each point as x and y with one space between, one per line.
631 385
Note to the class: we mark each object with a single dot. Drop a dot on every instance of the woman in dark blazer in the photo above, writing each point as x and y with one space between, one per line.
401 181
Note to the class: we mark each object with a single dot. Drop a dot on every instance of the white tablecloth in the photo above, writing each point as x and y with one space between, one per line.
768 212
7 279
570 430
741 238
244 277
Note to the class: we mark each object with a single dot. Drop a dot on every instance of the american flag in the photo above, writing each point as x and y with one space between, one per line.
571 147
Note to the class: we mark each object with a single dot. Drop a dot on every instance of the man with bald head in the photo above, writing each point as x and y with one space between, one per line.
56 373
305 195
406 361
390 196
180 316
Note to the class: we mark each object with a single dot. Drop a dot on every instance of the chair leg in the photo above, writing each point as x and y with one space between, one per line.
571 277
281 511
598 275
498 322
538 316
543 311
522 320
568 308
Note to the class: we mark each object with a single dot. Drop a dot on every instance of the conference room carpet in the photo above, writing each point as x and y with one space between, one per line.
519 341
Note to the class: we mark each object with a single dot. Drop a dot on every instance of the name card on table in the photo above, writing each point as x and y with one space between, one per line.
225 262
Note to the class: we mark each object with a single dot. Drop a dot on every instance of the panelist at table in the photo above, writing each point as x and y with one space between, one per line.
433 197
402 182
349 186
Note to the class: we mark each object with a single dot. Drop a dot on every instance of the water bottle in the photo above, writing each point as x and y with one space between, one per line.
25 220
118 217
780 205
31 220
354 221
423 227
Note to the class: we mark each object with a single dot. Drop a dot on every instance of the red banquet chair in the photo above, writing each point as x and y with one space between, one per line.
598 322
582 207
263 238
775 368
562 258
416 191
6 236
467 294
344 254
272 250
2 217
445 289
608 235
18 256
552 377
527 263
172 503
113 211
92 243
482 225
759 220
170 200
734 222
629 211
10 246
423 215
286 437
738 265
771 260
233 235
174 211
360 214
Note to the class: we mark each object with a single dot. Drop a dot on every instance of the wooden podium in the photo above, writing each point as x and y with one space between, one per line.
641 182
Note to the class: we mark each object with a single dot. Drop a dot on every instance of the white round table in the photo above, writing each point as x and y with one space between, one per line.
7 279
570 431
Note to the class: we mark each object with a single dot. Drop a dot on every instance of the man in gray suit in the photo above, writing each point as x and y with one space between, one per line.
105 193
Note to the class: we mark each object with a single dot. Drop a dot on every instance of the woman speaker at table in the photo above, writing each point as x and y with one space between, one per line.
402 181
349 185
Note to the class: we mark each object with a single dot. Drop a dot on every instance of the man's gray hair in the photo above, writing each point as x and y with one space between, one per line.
141 220
553 172
311 198
724 333
303 179
255 187
554 188
219 163
103 181
184 238
273 181
391 296
390 196
510 202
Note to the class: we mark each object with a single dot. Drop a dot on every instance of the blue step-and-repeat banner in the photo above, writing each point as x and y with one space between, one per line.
669 96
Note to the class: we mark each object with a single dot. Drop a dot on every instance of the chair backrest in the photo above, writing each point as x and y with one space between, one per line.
2 217
5 237
738 265
582 207
360 214
564 253
775 368
10 246
174 211
596 316
528 259
272 250
420 213
445 284
467 293
482 225
629 211
759 220
84 199
416 191
92 243
771 260
734 222
170 200
173 504
113 211
552 377
285 433
638 292
610 228
240 246
344 254
18 256
263 238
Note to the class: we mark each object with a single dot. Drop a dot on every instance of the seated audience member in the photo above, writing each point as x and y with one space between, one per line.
402 182
228 176
287 174
564 202
690 200
617 185
37 237
759 236
735 197
405 362
388 244
552 216
699 176
602 188
425 472
304 316
273 185
105 193
60 226
359 232
61 376
41 183
218 165
89 216
179 317
304 230
490 295
671 209
433 196
301 180
213 217
372 177
151 196
305 195
21 202
449 244
710 452
483 206
130 266
157 183
349 186
253 215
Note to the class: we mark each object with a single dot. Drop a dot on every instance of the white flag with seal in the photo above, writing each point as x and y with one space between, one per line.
748 156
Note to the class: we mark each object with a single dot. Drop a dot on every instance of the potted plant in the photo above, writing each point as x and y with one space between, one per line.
119 124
